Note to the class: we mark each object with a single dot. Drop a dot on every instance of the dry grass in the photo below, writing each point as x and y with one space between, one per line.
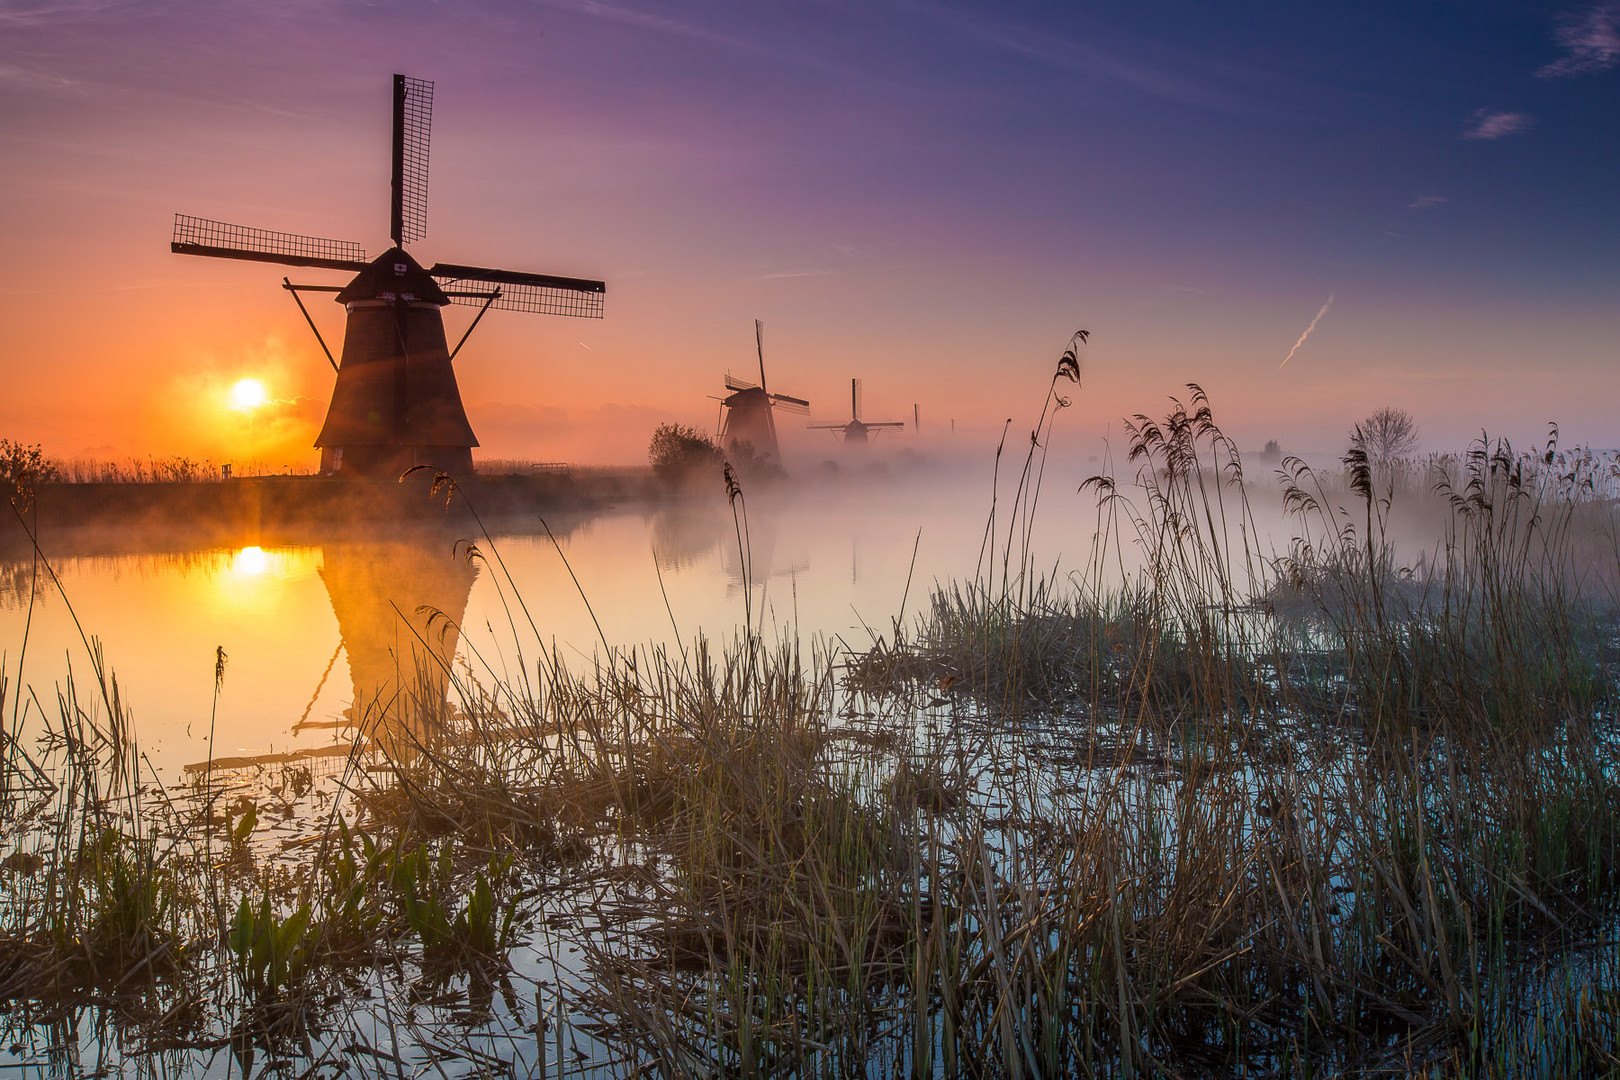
1321 812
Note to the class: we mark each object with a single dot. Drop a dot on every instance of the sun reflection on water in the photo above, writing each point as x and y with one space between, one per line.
250 562
256 579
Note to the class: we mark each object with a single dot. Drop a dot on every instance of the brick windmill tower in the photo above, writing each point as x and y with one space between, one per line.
396 402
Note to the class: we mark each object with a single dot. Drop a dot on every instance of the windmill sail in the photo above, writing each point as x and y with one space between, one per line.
413 120
759 343
855 432
544 294
222 240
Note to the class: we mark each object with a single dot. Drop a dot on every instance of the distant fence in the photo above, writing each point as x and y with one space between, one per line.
514 466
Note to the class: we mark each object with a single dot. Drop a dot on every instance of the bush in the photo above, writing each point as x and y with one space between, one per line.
22 470
680 454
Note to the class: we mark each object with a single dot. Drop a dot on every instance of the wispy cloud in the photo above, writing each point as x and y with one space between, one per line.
1485 124
37 80
656 22
26 13
1591 40
1427 202
794 274
1065 54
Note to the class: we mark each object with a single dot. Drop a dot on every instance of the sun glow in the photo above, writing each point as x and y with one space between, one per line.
247 395
250 562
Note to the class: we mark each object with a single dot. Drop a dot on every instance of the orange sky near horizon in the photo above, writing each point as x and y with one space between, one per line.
945 260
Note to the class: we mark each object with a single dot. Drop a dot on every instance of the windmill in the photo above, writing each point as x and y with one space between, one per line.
856 432
747 412
395 403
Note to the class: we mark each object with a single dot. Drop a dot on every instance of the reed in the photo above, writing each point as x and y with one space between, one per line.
1355 829
1330 810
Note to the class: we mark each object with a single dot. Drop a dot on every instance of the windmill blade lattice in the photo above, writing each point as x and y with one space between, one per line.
413 121
205 236
543 294
790 404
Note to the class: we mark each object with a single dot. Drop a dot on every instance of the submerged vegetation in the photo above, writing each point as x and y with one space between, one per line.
1340 809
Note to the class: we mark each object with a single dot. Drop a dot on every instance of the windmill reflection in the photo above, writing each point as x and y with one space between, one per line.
687 535
683 534
399 604
764 561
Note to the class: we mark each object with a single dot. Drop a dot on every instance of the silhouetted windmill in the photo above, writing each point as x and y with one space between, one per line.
747 412
858 432
396 402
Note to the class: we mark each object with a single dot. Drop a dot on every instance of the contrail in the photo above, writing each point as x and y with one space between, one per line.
1306 334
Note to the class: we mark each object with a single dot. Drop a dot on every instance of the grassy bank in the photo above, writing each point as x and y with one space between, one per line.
178 516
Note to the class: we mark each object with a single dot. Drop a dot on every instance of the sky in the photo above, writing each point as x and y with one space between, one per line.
931 197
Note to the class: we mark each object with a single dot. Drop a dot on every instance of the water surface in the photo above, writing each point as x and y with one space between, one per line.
316 632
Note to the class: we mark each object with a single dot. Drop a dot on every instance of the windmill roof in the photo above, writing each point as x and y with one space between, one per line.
391 276
742 394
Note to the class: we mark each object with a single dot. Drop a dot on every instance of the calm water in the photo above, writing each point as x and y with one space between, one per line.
317 632
320 632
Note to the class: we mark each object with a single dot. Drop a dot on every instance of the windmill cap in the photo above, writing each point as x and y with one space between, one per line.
393 275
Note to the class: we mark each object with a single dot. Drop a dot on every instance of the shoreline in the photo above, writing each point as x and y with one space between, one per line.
131 517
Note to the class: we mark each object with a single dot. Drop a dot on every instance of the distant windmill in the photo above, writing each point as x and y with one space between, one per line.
856 432
747 412
396 402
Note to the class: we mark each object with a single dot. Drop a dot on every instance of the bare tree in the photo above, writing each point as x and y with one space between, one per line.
1387 435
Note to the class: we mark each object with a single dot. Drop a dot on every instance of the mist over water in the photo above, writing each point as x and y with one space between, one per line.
313 629
321 631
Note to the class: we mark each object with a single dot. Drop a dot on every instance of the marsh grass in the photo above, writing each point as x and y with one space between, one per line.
169 470
1335 810
1357 834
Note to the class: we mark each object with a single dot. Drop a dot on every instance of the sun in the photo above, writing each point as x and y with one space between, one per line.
247 395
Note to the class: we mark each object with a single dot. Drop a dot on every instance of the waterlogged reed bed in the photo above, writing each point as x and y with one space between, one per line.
1372 820
1324 810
